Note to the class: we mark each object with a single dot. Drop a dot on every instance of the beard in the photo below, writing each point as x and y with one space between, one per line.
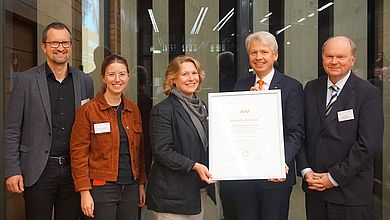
60 57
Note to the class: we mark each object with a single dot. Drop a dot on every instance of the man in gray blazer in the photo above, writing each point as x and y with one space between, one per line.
37 129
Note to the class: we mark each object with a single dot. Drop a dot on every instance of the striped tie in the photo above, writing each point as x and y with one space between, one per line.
332 99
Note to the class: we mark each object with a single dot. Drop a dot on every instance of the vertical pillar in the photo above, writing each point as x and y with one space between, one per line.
243 28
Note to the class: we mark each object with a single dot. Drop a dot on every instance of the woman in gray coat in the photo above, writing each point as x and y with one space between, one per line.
178 132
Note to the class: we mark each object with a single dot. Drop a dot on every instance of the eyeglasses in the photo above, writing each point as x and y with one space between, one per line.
122 76
56 44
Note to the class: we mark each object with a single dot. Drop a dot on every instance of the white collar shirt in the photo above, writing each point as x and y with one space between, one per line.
267 80
340 84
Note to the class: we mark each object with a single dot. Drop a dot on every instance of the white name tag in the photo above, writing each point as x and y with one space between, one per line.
84 101
345 115
102 127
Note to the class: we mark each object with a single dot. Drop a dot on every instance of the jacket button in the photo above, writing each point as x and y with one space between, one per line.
49 134
46 151
127 127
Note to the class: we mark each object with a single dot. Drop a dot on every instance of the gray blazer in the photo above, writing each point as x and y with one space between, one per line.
28 125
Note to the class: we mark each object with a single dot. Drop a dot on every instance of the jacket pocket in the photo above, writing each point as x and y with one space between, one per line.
100 159
137 135
101 140
137 128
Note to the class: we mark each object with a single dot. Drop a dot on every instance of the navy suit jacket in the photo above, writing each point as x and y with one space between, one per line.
344 148
293 119
28 125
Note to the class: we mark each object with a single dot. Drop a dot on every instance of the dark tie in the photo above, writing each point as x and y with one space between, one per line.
333 98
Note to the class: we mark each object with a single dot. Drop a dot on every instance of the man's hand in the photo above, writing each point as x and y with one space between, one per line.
203 173
323 179
318 181
278 180
15 183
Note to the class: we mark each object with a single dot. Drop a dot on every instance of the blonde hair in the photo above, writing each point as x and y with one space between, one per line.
351 44
173 72
265 38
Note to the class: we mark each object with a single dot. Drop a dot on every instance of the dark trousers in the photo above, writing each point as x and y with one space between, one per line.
54 188
318 209
253 202
226 194
115 202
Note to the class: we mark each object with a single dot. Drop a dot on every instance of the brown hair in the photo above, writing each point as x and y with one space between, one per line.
173 71
57 26
110 59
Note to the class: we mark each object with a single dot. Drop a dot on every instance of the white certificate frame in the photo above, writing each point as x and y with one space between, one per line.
246 135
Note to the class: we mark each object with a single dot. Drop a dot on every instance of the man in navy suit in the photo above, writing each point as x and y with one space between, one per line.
344 131
269 199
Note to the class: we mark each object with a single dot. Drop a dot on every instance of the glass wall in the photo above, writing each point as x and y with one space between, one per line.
149 33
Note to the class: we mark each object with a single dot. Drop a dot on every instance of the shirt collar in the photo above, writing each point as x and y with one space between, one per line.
340 84
50 72
104 105
267 78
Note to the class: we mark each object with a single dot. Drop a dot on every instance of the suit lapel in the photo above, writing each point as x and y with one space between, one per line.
345 95
44 91
250 82
321 91
77 90
276 81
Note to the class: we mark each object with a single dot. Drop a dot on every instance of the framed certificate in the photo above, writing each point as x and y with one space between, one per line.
246 135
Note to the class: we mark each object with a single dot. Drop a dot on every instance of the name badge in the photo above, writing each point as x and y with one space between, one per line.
84 101
102 127
345 115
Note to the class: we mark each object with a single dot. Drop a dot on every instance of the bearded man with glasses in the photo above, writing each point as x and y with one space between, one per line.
39 120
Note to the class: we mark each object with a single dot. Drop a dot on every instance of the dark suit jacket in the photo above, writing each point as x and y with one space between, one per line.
28 125
293 119
345 149
173 186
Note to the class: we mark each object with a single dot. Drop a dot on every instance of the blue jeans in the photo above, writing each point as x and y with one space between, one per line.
54 188
115 202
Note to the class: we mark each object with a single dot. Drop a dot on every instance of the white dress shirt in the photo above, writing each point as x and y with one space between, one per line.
267 80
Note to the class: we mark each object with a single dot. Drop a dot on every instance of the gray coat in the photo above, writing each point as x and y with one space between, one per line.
173 186
28 123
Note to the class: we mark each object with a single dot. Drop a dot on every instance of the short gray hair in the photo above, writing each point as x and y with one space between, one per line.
351 44
263 37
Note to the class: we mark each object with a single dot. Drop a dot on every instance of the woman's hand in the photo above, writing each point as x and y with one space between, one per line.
279 180
142 196
203 173
87 205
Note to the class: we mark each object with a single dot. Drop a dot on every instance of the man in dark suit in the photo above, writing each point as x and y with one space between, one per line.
344 130
37 130
269 199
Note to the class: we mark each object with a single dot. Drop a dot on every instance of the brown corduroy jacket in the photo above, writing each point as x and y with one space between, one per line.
94 154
